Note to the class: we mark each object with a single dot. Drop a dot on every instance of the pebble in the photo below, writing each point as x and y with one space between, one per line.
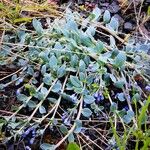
120 19
114 7
104 4
128 26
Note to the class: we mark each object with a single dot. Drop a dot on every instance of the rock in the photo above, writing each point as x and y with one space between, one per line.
104 1
113 7
128 26
81 2
104 4
120 19
103 9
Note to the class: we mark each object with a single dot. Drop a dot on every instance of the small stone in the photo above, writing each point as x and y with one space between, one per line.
105 4
114 7
120 19
128 26
147 88
81 2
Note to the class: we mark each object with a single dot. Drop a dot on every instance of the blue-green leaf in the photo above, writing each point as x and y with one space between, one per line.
113 107
99 47
136 97
120 59
39 96
44 90
78 126
71 25
46 146
30 71
31 104
91 31
2 86
57 87
82 76
52 100
63 129
88 99
114 23
121 97
71 138
61 71
97 13
106 16
112 41
47 79
113 78
75 81
86 40
53 62
74 60
86 112
43 69
37 26
22 97
44 56
119 84
130 113
42 110
82 66
128 118
14 77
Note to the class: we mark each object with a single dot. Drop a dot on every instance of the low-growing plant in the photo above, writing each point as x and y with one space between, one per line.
68 77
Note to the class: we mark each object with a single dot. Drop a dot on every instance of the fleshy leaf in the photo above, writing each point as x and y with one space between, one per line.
121 97
75 81
120 59
22 97
37 26
82 66
53 62
106 16
42 110
47 79
57 87
97 13
86 112
88 99
46 146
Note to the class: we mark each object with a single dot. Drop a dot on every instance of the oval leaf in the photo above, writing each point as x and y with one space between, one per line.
106 17
120 59
73 146
97 13
75 81
86 112
42 110
88 99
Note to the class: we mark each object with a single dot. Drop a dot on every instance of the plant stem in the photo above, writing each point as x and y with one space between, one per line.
74 125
